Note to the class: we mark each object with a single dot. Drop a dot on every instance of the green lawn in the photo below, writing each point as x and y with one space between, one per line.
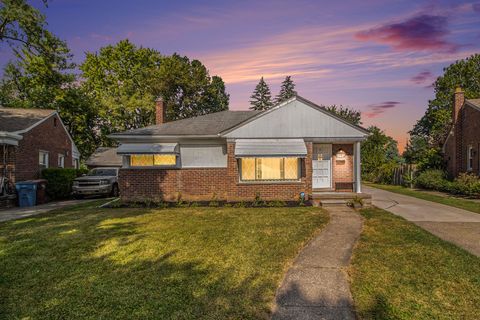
179 263
449 201
400 271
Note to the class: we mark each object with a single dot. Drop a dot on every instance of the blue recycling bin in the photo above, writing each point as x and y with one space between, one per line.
27 193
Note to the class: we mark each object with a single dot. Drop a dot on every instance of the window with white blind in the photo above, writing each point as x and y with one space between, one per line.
469 158
153 160
43 159
270 169
61 161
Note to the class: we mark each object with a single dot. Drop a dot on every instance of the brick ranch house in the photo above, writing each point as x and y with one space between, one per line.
294 147
462 145
31 140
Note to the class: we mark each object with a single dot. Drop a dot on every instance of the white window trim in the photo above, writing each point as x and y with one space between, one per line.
46 158
266 181
127 163
470 158
61 164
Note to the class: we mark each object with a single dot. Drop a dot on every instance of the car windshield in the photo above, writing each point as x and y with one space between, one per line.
102 172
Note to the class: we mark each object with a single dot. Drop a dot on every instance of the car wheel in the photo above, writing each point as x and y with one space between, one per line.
78 197
115 191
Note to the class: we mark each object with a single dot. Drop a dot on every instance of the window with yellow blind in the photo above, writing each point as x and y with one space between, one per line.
153 160
269 169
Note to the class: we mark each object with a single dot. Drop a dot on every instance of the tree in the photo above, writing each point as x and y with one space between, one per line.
125 80
346 113
41 76
287 90
431 130
23 27
419 151
187 88
261 99
379 155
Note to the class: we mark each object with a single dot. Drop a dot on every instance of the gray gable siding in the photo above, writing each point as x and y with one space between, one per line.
296 119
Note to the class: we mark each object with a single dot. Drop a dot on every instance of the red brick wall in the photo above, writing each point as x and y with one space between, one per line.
268 191
466 133
168 184
470 118
342 171
202 184
46 137
9 158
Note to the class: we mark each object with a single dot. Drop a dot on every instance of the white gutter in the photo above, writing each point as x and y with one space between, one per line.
10 138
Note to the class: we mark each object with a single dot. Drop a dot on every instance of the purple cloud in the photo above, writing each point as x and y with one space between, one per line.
476 7
422 32
375 110
422 77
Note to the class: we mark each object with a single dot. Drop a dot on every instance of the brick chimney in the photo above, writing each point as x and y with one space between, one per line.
160 112
458 101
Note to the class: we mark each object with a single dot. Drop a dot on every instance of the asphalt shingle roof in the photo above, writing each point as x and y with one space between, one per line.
209 124
105 157
13 119
474 102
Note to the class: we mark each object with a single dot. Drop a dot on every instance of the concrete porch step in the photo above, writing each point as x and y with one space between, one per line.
333 203
338 199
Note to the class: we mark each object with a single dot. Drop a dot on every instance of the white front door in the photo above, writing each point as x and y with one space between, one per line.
322 166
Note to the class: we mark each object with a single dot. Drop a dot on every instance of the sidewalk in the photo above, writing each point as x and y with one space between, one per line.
18 213
316 286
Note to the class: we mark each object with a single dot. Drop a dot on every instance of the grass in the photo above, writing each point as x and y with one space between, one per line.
449 201
179 263
400 271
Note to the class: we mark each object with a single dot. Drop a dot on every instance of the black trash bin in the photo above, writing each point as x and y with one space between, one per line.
41 191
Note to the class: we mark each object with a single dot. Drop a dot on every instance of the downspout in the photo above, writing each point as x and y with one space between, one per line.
4 160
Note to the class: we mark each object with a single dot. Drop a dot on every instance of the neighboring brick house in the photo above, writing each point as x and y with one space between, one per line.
462 146
295 147
33 139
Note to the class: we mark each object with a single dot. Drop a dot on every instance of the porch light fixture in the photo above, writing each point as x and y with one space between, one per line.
341 154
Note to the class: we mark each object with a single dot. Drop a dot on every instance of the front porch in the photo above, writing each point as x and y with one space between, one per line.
336 167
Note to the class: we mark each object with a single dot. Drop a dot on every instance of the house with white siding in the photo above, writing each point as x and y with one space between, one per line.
294 149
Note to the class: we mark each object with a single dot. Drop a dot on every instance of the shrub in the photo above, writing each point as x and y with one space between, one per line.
258 202
240 204
466 184
60 181
432 179
276 203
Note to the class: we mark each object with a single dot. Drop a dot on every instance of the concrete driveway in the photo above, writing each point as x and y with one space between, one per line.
449 223
19 213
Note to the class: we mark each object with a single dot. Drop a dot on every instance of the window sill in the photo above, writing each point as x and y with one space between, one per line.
152 167
271 182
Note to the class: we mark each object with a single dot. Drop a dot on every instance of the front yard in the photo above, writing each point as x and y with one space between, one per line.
182 263
399 271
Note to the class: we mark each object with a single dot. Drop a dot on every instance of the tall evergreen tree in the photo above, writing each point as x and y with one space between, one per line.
287 90
261 97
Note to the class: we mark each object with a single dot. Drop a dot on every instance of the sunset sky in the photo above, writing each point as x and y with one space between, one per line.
379 57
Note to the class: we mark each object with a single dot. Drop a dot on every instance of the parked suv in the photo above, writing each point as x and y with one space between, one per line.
99 181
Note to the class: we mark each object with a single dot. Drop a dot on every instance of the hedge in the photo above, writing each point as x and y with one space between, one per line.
465 184
60 181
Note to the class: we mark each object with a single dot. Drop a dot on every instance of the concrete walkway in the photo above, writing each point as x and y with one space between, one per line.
18 213
452 224
316 286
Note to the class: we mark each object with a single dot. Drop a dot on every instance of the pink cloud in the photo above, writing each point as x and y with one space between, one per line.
422 77
374 110
421 32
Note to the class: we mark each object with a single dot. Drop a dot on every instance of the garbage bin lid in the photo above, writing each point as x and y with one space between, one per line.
26 183
38 181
